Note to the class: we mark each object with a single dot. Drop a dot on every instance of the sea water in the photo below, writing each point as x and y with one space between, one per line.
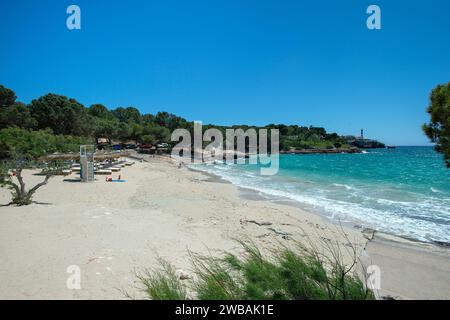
403 191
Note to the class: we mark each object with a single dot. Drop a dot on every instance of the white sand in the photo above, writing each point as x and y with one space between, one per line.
110 230
410 270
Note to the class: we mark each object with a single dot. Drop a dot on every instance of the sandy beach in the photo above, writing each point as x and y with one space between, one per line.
112 230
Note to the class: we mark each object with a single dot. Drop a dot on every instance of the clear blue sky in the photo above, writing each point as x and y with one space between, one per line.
237 61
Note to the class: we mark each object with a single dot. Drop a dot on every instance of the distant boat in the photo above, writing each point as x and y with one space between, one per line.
391 147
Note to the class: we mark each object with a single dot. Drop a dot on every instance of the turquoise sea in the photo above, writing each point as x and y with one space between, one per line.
403 191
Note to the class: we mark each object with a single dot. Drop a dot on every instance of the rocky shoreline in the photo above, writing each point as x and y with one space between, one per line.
322 151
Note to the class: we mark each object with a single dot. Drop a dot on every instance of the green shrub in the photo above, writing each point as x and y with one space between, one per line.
163 284
33 144
287 275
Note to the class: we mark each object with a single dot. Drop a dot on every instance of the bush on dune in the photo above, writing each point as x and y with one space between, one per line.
163 284
287 275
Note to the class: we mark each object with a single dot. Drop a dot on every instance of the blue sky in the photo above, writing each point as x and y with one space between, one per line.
237 62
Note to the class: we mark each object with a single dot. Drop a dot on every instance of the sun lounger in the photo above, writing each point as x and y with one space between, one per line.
103 171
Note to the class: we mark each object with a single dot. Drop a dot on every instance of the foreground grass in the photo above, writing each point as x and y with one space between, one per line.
287 275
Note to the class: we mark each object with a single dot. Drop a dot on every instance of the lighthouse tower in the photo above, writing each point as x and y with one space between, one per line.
362 133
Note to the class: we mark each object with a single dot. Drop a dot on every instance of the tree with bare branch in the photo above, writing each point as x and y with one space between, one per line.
11 177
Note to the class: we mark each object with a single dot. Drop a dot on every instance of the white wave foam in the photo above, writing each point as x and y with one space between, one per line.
343 186
425 220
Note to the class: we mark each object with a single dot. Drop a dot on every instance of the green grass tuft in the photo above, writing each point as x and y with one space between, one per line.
163 284
287 275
